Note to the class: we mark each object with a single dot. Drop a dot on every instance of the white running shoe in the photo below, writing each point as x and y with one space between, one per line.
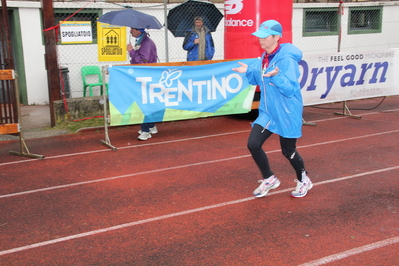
302 188
153 130
264 187
144 136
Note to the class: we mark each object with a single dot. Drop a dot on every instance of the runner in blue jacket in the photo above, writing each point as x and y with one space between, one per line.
198 42
280 106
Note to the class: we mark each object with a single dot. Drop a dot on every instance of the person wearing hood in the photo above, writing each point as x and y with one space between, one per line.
198 42
280 107
143 52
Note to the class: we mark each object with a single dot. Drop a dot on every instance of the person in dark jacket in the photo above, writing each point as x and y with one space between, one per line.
143 52
280 106
198 42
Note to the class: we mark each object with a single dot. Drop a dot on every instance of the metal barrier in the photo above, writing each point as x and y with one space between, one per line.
15 127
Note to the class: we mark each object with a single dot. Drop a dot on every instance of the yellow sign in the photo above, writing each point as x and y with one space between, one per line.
111 42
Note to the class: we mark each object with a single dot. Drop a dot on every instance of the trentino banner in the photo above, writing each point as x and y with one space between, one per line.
140 94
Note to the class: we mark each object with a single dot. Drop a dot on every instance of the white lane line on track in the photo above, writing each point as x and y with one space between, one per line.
176 214
120 176
181 166
173 141
351 252
128 147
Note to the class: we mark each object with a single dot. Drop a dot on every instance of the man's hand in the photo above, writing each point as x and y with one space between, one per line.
272 73
129 47
242 69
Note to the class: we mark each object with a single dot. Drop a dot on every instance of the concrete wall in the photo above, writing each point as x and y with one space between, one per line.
79 108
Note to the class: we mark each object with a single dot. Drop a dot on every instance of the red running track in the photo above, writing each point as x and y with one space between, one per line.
184 197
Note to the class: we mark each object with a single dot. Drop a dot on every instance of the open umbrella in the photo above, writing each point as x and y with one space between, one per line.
131 18
181 18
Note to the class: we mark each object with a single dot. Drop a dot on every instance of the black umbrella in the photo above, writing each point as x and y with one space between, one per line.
181 18
131 18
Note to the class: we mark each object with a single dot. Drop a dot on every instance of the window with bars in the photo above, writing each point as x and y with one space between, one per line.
364 20
320 22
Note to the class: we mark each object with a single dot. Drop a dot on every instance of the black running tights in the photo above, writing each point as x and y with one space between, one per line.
258 136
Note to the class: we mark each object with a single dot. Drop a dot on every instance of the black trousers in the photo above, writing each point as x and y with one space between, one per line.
258 136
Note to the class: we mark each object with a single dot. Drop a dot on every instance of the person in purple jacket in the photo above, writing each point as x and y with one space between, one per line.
143 52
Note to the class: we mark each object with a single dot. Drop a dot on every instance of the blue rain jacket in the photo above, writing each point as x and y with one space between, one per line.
281 105
192 49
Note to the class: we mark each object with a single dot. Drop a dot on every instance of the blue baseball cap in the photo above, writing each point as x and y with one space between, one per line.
269 27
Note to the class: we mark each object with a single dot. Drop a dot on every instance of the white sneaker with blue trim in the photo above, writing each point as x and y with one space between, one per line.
265 186
144 136
302 188
153 130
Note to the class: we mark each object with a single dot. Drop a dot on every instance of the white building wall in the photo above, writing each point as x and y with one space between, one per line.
372 41
33 52
349 42
311 45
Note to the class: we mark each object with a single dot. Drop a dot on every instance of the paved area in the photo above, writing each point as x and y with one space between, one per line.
35 123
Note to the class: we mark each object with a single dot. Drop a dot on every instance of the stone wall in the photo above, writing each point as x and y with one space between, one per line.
79 108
